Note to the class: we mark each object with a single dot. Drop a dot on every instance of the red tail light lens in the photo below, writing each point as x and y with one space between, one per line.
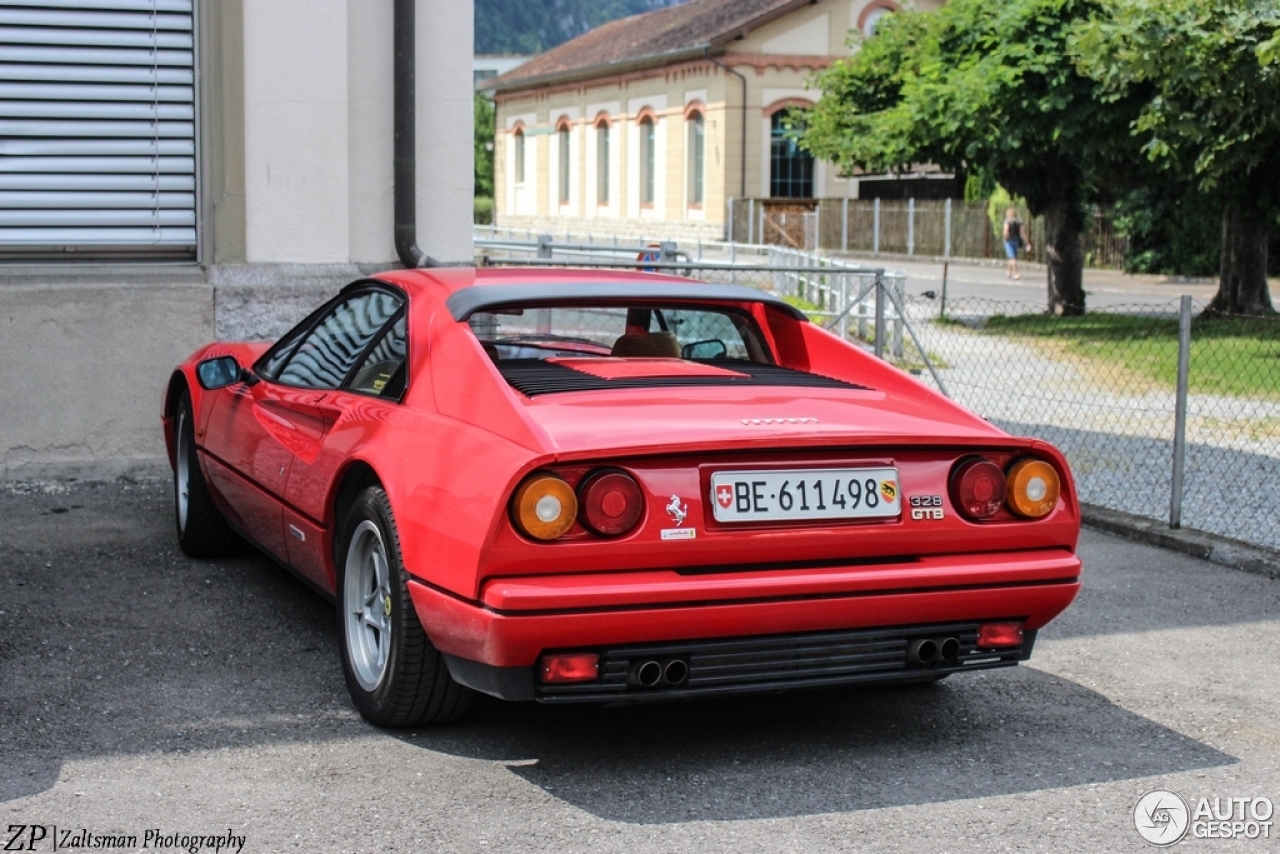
978 488
992 635
570 667
610 503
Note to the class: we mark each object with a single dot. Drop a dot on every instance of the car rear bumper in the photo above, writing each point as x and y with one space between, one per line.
493 645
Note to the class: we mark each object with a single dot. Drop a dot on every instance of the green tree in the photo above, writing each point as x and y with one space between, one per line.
1213 112
990 87
484 143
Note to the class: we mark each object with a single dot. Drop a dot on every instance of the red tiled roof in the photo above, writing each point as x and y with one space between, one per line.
648 39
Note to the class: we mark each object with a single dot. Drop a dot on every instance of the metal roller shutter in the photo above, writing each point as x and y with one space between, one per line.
97 128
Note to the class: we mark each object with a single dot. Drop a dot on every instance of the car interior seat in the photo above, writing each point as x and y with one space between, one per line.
663 345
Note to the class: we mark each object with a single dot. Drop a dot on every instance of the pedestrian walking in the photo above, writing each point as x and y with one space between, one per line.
1013 242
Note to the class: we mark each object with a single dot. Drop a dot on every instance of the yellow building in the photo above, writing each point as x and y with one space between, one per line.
650 125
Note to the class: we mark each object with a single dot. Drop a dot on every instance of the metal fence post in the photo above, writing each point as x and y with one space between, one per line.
544 246
863 287
879 345
732 232
900 290
942 312
844 305
875 228
946 238
751 220
911 226
844 224
1180 412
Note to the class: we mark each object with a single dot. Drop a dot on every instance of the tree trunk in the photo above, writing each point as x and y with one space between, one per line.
1062 225
1242 284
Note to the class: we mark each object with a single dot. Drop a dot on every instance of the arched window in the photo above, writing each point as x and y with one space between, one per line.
565 163
873 14
519 155
648 149
602 161
790 167
696 146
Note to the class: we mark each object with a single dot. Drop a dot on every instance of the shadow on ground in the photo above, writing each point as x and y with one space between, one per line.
113 643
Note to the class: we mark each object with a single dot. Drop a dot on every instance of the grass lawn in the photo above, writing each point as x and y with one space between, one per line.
1236 357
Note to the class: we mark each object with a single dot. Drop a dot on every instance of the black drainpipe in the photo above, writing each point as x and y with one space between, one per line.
405 157
742 190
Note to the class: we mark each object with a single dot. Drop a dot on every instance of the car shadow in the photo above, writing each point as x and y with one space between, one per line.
113 644
973 736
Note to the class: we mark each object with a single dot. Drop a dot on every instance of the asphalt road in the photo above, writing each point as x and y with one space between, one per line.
141 690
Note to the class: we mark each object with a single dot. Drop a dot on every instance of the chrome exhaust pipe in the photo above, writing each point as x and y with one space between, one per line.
675 671
924 651
646 674
949 650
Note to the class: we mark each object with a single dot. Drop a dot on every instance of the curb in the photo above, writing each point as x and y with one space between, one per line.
1211 547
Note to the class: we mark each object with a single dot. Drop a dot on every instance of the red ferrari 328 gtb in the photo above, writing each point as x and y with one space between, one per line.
585 486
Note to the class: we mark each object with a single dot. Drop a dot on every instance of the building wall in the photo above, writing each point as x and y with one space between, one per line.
297 200
620 102
318 141
778 61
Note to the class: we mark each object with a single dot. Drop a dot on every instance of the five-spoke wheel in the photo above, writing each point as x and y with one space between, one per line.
396 677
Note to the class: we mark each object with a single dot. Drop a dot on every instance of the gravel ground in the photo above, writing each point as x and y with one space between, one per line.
143 690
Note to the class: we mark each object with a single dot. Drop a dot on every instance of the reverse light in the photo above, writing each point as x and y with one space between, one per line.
1032 488
570 667
611 503
994 635
978 489
544 507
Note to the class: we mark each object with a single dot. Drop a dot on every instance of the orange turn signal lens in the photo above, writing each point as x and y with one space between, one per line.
1033 489
544 507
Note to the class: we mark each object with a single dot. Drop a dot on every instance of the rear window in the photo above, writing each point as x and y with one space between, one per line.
695 333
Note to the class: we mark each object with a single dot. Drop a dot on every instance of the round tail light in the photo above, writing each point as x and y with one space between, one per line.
544 507
1033 488
611 503
978 489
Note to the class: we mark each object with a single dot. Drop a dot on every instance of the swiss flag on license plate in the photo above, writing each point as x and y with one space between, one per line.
724 495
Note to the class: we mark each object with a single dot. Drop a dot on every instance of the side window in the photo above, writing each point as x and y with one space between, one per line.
383 361
328 353
282 351
707 334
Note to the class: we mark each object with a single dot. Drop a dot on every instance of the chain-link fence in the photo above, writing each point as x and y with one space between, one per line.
1103 387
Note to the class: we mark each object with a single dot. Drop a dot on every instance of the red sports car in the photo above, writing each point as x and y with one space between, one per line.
585 486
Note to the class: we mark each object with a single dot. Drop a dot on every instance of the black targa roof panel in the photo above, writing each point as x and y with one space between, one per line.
466 302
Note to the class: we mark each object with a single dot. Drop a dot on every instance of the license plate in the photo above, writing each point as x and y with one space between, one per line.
796 494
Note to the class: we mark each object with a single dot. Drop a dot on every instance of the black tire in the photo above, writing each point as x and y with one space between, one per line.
202 529
395 676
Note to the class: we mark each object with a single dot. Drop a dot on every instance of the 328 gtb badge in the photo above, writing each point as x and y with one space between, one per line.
926 507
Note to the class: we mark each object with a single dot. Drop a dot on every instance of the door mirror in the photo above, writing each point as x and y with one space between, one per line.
221 372
711 349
